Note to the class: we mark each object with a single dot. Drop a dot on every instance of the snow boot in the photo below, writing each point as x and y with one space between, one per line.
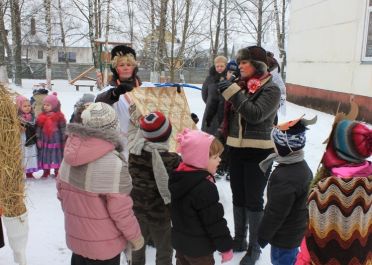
240 226
46 173
254 250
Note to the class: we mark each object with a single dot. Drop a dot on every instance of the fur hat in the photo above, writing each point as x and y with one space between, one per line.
122 50
290 136
155 127
352 141
100 116
194 147
53 101
256 56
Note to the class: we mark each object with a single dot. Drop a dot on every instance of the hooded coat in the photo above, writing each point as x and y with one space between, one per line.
98 224
198 225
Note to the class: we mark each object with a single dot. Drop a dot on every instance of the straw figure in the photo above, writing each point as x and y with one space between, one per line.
12 178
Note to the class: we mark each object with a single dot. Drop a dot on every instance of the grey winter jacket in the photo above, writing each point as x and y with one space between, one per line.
251 118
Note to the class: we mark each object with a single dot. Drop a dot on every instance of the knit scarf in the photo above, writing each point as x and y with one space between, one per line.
49 121
294 157
160 172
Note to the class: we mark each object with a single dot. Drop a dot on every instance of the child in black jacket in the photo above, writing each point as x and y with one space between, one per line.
198 225
285 217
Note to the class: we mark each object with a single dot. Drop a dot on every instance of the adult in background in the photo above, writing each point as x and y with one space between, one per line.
214 102
274 70
250 112
124 79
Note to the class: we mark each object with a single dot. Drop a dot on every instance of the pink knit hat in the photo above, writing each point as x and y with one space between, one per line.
52 100
19 101
194 147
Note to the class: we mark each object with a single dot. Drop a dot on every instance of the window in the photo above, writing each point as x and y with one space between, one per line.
71 57
367 49
40 54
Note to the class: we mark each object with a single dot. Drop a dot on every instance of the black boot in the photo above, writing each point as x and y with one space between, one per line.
254 250
240 224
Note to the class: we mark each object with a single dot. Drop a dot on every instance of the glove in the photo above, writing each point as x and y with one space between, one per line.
194 118
262 242
137 243
123 88
226 256
224 84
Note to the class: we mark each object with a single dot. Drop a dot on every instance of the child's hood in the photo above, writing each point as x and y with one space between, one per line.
182 182
85 145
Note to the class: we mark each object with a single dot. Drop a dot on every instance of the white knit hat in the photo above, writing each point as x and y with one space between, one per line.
100 116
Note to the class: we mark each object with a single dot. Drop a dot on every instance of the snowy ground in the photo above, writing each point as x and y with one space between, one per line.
46 243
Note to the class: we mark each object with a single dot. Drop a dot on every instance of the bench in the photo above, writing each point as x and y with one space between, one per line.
90 87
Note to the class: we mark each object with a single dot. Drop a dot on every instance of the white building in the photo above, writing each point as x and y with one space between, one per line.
330 54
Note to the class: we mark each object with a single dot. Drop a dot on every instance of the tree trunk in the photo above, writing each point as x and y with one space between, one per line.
283 52
92 36
225 52
131 20
162 29
48 24
218 30
105 75
171 60
63 39
3 71
17 42
259 23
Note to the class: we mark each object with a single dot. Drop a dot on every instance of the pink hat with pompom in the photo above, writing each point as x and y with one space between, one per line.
52 100
194 147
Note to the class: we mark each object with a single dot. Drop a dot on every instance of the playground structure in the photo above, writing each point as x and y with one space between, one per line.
104 62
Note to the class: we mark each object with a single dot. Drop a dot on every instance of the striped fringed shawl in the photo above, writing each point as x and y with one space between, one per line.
340 221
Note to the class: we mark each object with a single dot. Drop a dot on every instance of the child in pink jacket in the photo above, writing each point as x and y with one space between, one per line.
94 189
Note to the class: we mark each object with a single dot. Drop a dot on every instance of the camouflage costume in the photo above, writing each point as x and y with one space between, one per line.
149 208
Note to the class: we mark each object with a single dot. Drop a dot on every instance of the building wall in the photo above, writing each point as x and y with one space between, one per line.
83 54
325 47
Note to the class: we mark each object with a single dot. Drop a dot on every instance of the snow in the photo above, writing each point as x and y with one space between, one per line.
46 242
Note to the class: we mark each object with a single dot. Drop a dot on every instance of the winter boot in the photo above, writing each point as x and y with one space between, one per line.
254 250
29 175
46 173
240 226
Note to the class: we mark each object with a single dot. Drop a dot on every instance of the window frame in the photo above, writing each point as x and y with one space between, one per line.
367 22
38 54
69 57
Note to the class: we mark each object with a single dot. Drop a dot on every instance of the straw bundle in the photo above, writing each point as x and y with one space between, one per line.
11 158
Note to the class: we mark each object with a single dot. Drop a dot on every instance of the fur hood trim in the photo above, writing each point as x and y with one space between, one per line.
110 136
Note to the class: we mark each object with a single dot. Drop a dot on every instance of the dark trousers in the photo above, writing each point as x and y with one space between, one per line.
80 260
283 256
187 260
247 181
161 236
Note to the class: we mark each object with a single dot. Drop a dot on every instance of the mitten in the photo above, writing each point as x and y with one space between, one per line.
226 256
123 88
262 242
137 243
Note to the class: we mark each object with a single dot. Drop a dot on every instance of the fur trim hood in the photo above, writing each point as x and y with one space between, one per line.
82 131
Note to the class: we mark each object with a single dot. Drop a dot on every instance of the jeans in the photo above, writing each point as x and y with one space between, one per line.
283 256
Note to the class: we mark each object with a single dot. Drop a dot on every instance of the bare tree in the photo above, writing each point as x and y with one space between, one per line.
225 52
48 23
63 40
3 68
215 44
281 32
255 17
16 41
